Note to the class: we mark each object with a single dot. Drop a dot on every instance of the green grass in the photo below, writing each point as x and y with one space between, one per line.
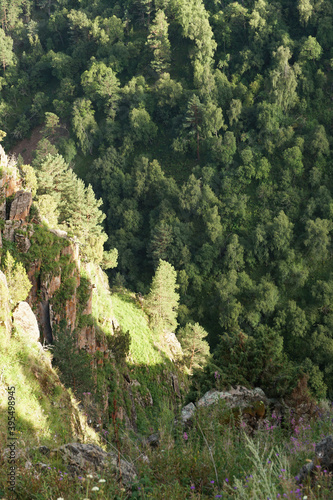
123 307
131 318
46 413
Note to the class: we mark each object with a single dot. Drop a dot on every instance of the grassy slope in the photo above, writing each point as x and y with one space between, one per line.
149 358
46 412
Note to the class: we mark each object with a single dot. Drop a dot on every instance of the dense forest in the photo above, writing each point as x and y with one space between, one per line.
205 127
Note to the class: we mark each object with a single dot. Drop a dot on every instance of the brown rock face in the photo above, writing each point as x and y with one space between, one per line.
21 205
10 182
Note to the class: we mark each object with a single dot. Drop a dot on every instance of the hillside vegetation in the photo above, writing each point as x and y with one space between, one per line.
174 163
206 130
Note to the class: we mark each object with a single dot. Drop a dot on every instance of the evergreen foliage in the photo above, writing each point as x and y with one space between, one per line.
206 130
17 280
195 348
162 301
74 364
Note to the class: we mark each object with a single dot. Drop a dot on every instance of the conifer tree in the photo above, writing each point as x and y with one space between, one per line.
17 280
195 348
84 124
163 299
6 50
159 43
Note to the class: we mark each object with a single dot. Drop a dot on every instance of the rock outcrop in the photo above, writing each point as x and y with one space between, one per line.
81 458
323 460
20 207
25 320
15 205
250 403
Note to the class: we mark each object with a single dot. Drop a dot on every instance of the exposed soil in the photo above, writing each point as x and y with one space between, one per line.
27 146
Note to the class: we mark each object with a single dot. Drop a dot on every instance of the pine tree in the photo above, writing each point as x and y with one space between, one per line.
162 301
50 175
159 43
6 50
195 348
84 124
17 280
193 120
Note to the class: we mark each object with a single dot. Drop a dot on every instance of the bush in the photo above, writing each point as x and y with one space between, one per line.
252 361
74 364
17 280
119 344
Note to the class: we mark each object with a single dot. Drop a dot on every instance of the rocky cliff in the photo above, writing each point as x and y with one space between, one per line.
51 259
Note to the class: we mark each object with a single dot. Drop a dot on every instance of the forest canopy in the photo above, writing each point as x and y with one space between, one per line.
206 129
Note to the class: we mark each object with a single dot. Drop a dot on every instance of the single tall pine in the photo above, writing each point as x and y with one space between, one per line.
163 299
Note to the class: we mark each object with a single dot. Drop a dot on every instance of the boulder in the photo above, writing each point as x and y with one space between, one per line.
81 458
170 340
153 440
187 413
238 397
21 205
26 322
250 403
9 229
323 458
22 242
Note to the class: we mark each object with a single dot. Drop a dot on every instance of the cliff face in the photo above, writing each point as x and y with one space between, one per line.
52 262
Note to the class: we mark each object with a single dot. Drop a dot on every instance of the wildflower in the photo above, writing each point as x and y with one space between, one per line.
102 481
226 480
90 476
60 498
95 488
192 488
185 436
218 496
212 482
305 498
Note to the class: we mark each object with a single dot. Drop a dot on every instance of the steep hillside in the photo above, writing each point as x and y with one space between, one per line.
205 128
108 358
